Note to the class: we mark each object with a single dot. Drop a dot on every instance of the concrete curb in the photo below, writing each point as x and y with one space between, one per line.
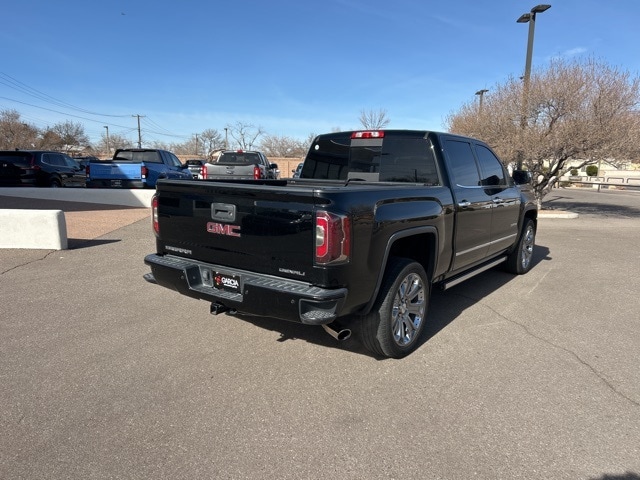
47 229
128 198
41 229
556 214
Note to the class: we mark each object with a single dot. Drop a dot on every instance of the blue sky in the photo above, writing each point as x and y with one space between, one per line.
292 67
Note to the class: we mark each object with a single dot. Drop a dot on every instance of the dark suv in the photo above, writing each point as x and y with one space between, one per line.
39 168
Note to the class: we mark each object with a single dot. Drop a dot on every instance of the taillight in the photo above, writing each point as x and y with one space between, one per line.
87 170
154 215
203 171
257 173
144 171
33 163
333 238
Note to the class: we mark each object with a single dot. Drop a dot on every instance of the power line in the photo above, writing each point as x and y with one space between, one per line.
11 82
19 86
56 111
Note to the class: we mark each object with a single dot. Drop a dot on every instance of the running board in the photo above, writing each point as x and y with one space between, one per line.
455 281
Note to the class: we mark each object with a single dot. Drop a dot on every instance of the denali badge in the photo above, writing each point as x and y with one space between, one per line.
223 229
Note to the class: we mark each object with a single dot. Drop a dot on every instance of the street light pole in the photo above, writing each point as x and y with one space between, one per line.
108 146
481 93
529 18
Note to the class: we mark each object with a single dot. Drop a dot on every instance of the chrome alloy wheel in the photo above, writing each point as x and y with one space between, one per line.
408 310
526 252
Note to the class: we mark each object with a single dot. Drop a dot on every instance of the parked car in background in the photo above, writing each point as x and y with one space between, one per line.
136 168
241 165
39 168
196 167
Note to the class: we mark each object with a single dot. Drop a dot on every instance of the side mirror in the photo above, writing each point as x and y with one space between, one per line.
521 177
273 166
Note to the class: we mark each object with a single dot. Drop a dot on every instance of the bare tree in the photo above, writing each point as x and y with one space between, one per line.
71 136
245 134
115 141
372 120
282 146
212 142
14 133
581 111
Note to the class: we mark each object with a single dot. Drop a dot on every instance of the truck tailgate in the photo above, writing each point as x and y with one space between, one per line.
115 170
262 228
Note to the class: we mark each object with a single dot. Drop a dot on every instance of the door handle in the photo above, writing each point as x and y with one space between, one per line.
464 204
498 201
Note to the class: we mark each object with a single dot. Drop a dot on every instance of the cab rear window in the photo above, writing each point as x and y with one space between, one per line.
239 158
393 158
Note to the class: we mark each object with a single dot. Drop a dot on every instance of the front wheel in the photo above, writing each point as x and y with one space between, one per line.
395 325
520 260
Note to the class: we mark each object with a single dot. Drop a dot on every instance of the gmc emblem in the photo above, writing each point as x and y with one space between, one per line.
223 229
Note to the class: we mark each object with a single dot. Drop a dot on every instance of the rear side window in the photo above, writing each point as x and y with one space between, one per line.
462 164
394 158
54 159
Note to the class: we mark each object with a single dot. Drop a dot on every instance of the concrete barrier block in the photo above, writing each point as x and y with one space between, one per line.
43 229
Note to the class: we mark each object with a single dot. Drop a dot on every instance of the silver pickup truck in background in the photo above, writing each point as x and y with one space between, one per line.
240 165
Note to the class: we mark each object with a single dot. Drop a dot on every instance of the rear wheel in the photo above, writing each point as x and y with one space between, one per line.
395 325
520 260
55 183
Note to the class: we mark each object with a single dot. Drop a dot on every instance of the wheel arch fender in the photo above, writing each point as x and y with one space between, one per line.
405 244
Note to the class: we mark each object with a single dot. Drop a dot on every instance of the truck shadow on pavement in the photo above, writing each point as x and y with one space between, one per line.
444 308
77 243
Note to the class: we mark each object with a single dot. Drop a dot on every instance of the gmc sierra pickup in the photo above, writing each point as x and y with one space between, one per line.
376 219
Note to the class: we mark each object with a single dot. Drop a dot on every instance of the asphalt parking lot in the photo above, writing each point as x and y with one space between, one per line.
107 377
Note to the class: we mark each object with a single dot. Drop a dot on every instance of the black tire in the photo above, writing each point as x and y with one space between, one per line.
395 325
521 259
55 183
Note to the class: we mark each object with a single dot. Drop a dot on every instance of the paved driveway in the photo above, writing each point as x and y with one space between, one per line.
105 376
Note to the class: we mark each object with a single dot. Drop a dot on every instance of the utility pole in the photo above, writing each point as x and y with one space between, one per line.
139 134
196 144
108 145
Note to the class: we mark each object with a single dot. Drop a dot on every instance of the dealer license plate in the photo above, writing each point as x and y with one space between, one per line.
230 283
116 183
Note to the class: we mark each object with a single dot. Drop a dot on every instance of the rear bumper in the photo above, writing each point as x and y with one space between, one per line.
108 183
257 294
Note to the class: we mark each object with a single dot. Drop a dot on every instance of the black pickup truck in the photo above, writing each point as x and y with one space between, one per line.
376 219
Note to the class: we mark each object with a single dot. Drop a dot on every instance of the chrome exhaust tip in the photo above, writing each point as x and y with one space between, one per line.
337 331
